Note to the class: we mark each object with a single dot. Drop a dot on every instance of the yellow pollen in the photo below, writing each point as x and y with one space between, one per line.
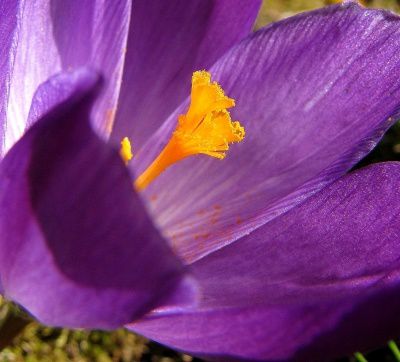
206 129
126 150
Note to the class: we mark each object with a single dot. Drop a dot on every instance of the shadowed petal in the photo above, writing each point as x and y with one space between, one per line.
168 40
315 93
318 282
57 90
77 248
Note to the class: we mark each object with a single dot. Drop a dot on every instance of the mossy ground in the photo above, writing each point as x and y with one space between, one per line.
38 343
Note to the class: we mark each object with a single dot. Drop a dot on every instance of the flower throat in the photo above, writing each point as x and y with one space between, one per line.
206 128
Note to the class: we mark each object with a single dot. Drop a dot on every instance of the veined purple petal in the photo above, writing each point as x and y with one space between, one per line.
315 93
318 282
168 40
94 33
36 59
77 248
9 25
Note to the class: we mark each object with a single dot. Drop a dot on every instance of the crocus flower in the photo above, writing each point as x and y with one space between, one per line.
274 253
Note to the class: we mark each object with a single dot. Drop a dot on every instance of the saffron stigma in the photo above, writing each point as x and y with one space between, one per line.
206 129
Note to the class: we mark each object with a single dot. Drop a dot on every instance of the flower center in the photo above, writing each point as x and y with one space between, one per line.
206 129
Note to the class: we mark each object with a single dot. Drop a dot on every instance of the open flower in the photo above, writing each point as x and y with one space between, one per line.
271 254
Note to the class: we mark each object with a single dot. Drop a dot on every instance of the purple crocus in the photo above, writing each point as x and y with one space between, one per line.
274 253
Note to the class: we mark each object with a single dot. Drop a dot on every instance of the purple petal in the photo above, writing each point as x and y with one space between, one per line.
77 248
168 40
59 89
8 29
318 282
94 33
315 93
36 59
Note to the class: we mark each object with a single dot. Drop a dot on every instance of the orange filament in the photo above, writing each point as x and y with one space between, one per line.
206 129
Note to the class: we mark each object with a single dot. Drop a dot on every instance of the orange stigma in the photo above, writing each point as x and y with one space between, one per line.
206 129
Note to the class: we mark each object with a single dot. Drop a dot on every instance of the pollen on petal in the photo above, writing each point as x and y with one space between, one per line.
126 150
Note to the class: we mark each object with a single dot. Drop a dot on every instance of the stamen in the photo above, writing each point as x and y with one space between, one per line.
126 150
206 129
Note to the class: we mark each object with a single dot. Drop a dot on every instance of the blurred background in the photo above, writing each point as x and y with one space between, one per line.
274 10
24 340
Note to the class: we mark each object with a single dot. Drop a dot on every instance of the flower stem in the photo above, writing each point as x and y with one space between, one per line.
395 350
359 357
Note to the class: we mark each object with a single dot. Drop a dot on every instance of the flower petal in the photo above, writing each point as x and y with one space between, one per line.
168 41
94 33
9 20
315 93
36 59
77 248
318 282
